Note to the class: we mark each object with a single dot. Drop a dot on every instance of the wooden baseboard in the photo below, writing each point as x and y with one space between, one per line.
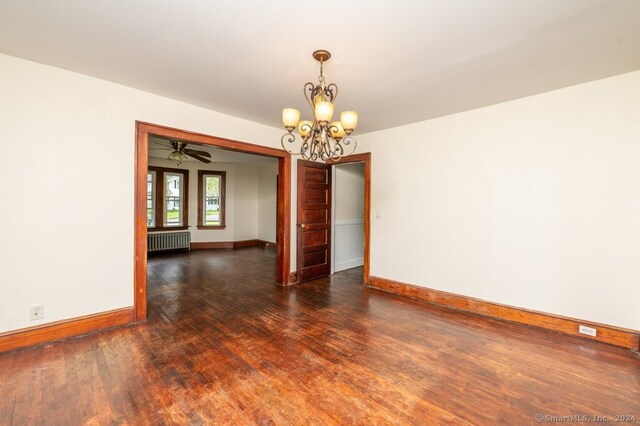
612 335
212 245
246 243
57 330
232 244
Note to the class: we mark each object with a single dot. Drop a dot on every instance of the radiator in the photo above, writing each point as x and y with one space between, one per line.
157 241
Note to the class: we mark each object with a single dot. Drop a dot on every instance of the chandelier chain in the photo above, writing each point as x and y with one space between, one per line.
321 79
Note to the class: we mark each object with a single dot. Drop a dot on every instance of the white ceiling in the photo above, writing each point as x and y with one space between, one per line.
158 149
395 62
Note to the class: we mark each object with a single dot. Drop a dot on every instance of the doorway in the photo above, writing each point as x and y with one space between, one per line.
347 222
143 132
315 222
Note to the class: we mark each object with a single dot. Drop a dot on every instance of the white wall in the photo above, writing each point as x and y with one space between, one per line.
533 203
241 198
68 140
348 196
267 203
245 214
348 212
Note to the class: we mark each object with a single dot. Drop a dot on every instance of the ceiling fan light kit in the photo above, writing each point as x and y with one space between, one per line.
181 153
177 156
321 138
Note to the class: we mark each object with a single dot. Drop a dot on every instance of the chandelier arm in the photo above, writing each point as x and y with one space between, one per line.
290 138
323 149
303 149
325 144
330 91
333 129
335 157
338 153
348 140
314 150
307 128
309 86
328 149
310 145
311 151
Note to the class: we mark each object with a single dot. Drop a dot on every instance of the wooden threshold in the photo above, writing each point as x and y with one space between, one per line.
617 336
57 330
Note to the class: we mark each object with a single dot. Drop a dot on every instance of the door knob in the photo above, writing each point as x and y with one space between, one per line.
302 225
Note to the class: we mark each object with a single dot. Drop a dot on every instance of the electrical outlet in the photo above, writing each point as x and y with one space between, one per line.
587 330
37 312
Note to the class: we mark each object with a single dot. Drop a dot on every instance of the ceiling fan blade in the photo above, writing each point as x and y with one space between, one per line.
197 152
196 156
164 148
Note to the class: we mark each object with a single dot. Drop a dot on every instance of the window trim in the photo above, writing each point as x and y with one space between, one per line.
159 207
223 203
154 195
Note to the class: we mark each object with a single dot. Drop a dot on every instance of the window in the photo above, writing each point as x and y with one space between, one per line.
211 205
151 199
173 199
170 209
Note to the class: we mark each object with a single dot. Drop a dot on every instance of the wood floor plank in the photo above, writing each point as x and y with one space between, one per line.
225 345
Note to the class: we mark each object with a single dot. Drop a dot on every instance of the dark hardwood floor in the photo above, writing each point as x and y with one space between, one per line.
225 345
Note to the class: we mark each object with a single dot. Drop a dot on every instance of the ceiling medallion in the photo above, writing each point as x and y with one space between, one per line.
321 138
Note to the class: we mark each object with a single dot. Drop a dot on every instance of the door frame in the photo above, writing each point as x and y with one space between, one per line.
366 159
283 232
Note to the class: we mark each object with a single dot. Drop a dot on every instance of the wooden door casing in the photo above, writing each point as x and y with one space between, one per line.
366 159
314 220
283 230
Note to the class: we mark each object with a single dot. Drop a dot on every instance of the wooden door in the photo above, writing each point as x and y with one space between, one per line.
314 220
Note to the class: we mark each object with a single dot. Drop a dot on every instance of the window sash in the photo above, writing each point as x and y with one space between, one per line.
173 199
151 198
211 203
170 204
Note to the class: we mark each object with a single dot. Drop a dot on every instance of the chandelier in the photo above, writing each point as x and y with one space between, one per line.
321 138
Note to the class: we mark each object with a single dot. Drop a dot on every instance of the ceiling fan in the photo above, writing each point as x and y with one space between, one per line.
180 152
